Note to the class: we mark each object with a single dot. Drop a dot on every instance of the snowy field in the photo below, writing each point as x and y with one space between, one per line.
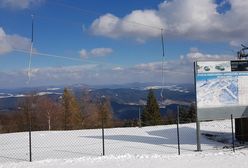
124 147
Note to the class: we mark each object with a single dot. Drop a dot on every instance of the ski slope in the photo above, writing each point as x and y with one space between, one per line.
124 147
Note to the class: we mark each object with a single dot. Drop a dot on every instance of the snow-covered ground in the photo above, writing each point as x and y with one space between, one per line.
125 147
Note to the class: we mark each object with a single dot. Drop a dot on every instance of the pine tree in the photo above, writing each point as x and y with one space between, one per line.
188 114
151 114
72 116
192 113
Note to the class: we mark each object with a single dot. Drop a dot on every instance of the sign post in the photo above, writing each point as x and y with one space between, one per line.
198 143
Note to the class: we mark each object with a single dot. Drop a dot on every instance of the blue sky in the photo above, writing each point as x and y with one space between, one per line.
114 42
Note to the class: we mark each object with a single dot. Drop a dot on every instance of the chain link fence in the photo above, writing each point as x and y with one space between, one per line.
160 139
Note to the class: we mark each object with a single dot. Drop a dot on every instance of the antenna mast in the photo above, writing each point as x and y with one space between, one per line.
163 62
31 50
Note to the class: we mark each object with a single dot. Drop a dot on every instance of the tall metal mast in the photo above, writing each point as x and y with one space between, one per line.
31 50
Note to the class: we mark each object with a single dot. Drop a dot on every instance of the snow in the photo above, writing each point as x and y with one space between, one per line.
9 95
19 95
52 89
5 95
174 88
47 93
144 147
220 160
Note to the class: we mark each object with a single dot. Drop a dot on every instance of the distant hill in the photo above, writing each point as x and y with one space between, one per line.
125 99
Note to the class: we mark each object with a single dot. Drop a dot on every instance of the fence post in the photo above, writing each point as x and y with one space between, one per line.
178 135
233 145
103 143
30 146
30 135
139 118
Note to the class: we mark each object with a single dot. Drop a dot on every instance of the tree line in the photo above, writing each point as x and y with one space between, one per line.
65 113
70 113
151 114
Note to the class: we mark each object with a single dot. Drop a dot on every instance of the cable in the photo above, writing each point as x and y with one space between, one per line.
63 57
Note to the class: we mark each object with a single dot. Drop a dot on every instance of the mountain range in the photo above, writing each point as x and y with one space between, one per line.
126 100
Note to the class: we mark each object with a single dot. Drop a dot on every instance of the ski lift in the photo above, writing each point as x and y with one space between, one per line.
243 53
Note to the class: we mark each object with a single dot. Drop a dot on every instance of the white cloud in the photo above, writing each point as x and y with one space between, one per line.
94 74
95 52
152 66
196 55
5 47
106 25
117 69
19 4
8 43
83 53
175 71
131 25
191 19
98 52
147 17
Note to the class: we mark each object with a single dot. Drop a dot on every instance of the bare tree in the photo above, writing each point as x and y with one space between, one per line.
106 114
